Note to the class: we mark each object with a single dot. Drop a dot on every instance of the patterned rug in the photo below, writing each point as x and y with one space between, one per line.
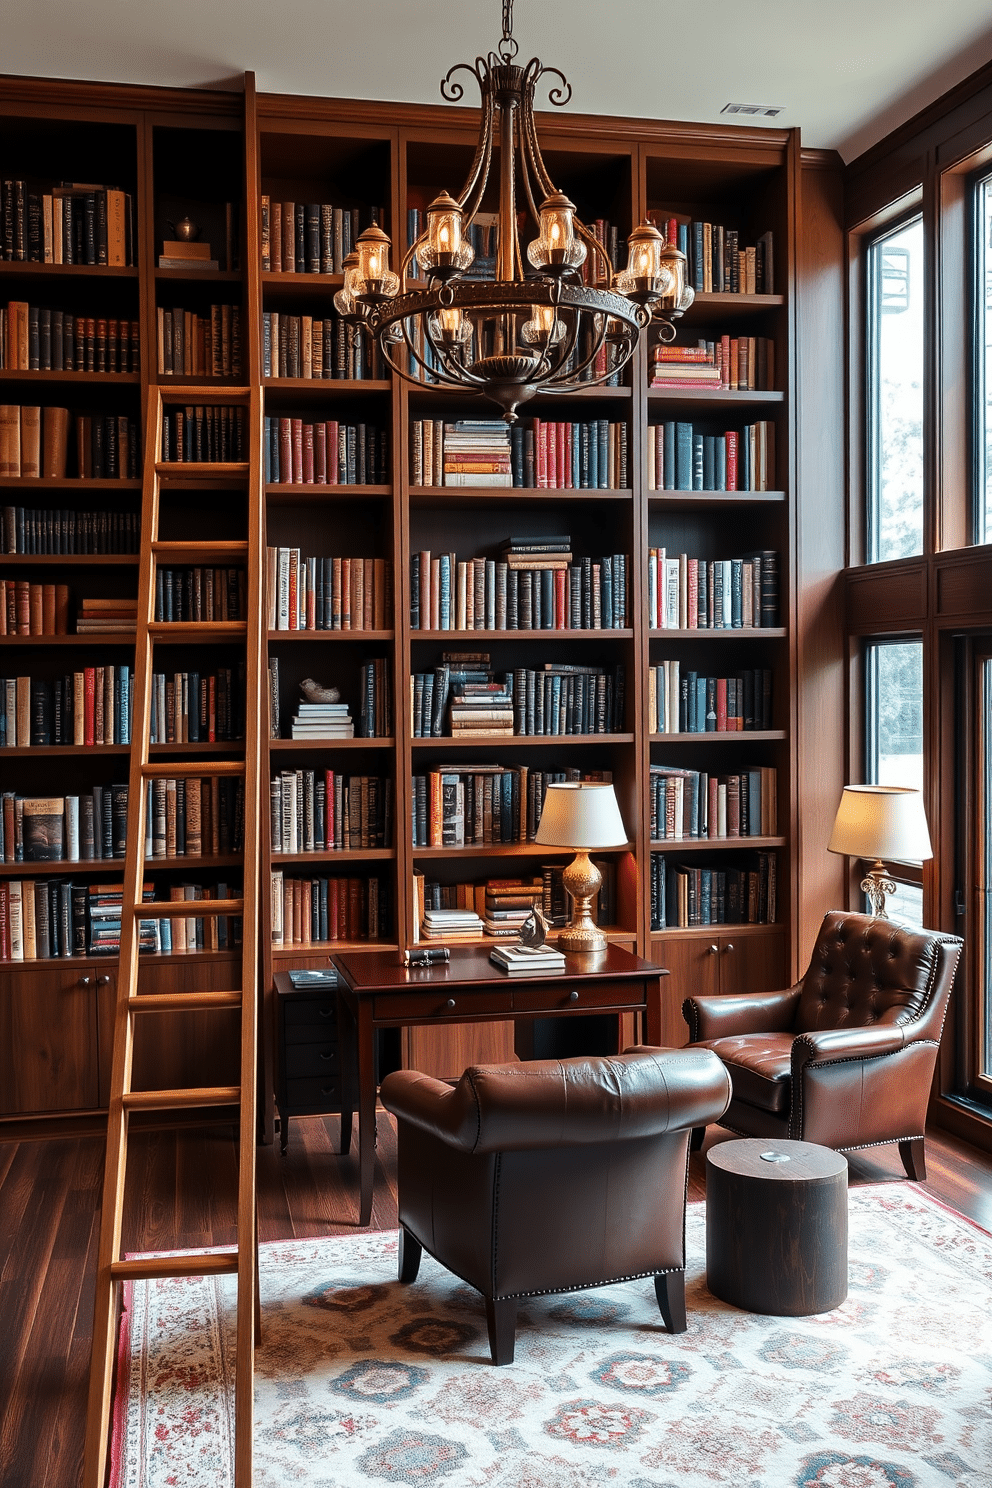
362 1381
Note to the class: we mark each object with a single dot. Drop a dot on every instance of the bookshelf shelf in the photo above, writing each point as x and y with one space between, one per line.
464 636
701 500
288 495
323 745
187 474
506 850
726 736
195 747
326 387
124 638
767 633
198 630
201 276
346 855
276 637
509 495
71 560
98 379
708 307
325 948
53 751
26 269
712 397
711 844
77 484
516 741
710 932
62 867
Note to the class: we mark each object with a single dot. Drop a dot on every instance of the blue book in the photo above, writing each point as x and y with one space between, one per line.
697 463
706 896
683 457
669 456
736 619
576 432
607 618
720 464
701 690
697 257
709 458
690 718
744 459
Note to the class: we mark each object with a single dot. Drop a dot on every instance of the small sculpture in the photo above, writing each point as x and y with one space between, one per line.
534 930
315 692
185 230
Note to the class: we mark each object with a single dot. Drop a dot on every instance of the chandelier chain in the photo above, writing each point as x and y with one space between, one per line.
508 46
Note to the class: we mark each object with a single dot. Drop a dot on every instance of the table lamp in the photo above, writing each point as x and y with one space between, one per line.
880 821
583 815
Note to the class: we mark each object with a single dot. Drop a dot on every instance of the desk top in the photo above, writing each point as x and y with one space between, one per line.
382 971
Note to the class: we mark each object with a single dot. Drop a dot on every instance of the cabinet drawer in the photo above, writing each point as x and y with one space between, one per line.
310 1010
442 1003
313 1094
312 1059
561 996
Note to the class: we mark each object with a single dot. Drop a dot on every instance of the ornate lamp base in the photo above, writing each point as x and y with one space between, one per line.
582 880
876 884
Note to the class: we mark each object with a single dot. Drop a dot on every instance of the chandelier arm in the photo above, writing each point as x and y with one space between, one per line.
437 375
455 372
530 155
598 340
454 92
563 349
532 72
563 384
470 198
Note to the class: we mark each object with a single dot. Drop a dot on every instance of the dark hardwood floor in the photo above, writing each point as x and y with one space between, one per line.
181 1192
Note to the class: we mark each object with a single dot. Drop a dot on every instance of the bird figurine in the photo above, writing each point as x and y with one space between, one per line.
534 930
314 692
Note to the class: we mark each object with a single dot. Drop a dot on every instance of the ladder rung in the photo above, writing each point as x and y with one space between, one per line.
204 393
199 552
176 1100
153 1268
197 630
184 1002
202 471
176 769
187 909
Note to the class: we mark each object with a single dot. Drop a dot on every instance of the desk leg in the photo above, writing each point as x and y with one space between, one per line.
366 1111
652 1011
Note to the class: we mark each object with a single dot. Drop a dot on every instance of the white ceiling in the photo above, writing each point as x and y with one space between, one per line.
846 72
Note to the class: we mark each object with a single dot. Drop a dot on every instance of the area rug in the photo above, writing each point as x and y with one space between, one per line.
362 1381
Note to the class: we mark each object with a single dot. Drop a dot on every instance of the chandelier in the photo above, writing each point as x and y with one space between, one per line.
535 327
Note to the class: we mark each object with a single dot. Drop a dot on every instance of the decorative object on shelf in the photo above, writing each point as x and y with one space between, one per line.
534 930
185 230
880 821
315 692
583 816
535 327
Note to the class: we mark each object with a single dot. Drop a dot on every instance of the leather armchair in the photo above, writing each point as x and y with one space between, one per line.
846 1057
553 1175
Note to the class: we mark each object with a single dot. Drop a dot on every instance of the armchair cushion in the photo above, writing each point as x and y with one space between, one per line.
760 1068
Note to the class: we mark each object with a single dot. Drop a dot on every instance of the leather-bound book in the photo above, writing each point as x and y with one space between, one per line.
10 439
30 441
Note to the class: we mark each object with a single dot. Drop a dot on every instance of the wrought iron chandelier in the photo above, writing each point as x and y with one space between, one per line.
535 327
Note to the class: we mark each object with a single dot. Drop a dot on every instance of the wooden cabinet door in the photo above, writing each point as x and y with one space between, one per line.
751 963
48 1039
693 964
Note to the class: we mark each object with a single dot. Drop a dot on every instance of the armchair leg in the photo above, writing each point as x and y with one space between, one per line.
914 1158
696 1138
410 1252
670 1291
501 1320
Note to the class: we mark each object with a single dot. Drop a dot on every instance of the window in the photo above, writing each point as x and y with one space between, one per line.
894 748
983 877
895 393
983 358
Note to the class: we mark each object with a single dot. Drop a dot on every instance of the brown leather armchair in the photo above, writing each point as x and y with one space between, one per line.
844 1058
553 1175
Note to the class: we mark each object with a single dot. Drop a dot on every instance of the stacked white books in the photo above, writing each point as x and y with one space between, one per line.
322 721
519 960
451 924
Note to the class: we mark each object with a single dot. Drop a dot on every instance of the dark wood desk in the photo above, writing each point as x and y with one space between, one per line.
380 992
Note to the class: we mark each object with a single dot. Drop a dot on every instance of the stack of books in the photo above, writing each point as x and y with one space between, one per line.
178 254
477 453
538 553
518 960
481 709
685 366
452 924
322 721
107 617
508 902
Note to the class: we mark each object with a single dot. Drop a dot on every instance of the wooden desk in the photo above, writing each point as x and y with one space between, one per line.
380 992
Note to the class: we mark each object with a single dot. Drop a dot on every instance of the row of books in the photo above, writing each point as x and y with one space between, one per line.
326 453
67 224
305 593
186 595
314 911
36 338
191 708
33 609
325 811
33 530
684 894
316 348
310 237
503 904
691 803
712 594
193 816
55 918
718 262
688 702
34 443
559 699
193 345
204 433
737 364
483 803
587 455
86 708
683 457
71 829
532 587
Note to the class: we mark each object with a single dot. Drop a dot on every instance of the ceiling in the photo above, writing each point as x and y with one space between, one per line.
845 72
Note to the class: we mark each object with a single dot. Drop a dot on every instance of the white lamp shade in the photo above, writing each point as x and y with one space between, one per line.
581 815
881 821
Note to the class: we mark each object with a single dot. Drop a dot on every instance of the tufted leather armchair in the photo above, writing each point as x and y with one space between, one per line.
846 1057
552 1175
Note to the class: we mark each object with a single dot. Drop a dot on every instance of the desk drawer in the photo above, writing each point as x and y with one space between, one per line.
443 1003
312 1011
314 1094
312 1059
560 995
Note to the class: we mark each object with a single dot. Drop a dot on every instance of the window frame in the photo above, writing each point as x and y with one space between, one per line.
909 874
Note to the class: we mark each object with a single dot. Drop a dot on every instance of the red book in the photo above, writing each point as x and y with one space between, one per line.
4 922
354 908
672 231
211 710
320 454
693 608
285 451
329 814
731 460
560 445
541 453
332 909
721 705
297 430
733 805
308 454
331 435
89 706
725 361
714 793
552 444
561 610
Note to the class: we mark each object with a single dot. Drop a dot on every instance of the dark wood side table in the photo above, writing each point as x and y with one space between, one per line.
776 1226
314 1075
380 992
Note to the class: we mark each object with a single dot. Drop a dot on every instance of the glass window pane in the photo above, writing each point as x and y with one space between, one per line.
895 394
894 707
983 265
985 871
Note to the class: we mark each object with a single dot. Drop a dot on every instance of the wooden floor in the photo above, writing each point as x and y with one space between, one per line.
181 1192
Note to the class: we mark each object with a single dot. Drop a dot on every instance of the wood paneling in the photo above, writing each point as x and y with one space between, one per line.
964 587
885 598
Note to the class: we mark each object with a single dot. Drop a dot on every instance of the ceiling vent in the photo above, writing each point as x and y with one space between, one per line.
762 110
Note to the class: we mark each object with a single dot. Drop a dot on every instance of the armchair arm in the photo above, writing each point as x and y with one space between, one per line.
847 1043
432 1105
752 1012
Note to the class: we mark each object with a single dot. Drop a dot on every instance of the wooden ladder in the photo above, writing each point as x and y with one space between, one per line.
112 1268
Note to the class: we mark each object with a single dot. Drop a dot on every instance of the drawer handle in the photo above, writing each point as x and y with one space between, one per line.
573 996
328 1090
327 1054
86 981
727 948
326 1012
102 981
449 1004
712 951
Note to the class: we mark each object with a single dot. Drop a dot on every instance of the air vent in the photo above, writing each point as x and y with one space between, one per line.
763 110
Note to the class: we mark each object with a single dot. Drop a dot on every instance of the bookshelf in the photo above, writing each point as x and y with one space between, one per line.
223 161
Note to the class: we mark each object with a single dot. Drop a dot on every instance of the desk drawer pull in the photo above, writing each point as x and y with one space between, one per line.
326 1012
573 996
449 1005
327 1054
328 1090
